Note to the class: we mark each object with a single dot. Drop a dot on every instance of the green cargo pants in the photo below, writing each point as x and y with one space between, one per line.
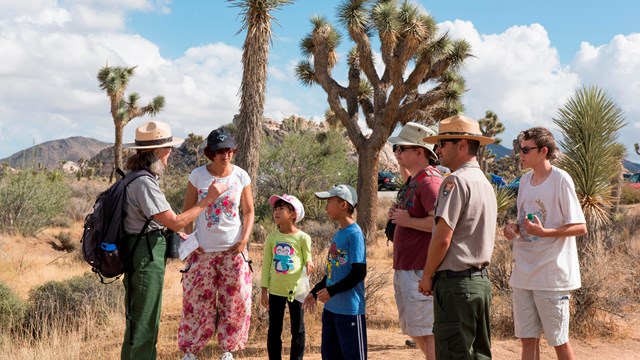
462 328
143 297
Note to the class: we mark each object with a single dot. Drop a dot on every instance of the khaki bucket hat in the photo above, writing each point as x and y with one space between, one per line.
413 134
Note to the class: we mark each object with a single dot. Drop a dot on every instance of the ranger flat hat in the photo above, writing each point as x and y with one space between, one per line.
154 134
459 127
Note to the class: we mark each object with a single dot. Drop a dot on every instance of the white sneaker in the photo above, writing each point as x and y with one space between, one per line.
189 356
226 356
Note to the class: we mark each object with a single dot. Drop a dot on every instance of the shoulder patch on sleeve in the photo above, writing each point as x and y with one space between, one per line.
448 187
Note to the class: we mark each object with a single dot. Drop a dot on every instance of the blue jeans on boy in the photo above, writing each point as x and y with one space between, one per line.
344 337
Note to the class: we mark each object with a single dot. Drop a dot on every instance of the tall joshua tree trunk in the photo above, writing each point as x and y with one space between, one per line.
256 17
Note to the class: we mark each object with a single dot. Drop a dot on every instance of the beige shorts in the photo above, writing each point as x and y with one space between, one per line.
535 311
415 310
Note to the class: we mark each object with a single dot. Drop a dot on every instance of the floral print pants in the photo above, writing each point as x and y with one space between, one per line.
216 294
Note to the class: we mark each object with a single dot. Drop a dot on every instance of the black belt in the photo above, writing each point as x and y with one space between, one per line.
446 274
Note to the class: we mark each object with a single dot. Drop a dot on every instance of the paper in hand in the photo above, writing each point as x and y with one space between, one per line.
188 246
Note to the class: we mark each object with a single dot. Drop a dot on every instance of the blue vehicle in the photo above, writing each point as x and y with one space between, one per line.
513 186
497 180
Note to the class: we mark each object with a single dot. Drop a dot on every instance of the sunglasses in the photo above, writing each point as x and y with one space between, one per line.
525 149
441 142
224 151
402 149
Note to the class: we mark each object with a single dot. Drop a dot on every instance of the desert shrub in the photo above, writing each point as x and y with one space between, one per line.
502 315
64 243
501 266
84 196
78 208
262 228
174 188
606 290
321 234
377 280
499 273
12 309
301 164
65 305
629 195
30 200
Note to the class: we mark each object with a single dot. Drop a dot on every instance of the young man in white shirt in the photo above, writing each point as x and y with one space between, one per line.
545 254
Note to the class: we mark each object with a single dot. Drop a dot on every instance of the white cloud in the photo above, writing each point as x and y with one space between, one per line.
50 62
517 74
615 67
52 51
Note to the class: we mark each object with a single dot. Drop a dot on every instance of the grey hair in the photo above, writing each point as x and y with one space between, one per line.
145 160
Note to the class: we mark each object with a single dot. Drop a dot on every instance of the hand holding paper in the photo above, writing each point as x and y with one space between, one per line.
189 245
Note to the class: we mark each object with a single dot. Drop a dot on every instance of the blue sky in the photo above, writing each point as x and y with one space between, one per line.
530 57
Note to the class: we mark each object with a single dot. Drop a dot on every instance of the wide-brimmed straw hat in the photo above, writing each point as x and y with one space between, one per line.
154 134
459 127
412 134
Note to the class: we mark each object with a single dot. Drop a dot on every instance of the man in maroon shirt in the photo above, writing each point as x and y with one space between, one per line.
411 239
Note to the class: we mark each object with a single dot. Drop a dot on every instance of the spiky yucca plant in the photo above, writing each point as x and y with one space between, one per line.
590 122
417 80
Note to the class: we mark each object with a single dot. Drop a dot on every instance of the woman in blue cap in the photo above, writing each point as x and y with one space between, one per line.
217 285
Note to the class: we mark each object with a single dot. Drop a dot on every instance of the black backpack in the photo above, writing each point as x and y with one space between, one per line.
103 236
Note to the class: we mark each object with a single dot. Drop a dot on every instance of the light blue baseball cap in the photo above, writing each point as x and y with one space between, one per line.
344 192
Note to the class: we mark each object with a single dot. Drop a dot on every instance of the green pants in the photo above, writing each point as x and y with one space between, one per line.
461 326
143 296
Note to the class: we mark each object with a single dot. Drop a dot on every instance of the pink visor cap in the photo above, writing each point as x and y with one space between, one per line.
297 205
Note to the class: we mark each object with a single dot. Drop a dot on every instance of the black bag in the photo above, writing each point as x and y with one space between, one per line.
389 230
103 236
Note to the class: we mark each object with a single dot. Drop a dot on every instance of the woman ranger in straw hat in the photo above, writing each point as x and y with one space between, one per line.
146 205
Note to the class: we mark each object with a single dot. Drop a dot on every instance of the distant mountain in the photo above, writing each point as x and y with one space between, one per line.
100 154
502 151
499 150
631 166
50 153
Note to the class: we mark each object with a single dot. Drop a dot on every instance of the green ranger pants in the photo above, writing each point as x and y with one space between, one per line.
143 297
462 328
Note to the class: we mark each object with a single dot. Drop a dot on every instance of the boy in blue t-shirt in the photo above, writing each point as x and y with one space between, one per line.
344 331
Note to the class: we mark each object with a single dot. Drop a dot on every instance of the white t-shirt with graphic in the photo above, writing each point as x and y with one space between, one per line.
219 226
549 264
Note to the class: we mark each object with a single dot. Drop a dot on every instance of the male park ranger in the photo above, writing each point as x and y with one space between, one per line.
461 245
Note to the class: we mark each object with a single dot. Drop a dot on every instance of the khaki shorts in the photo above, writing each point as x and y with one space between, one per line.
535 311
414 309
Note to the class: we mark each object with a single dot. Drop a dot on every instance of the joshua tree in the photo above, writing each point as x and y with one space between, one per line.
590 122
332 120
418 81
114 80
192 143
490 126
256 19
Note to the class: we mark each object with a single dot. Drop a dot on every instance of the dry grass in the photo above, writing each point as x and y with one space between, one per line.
28 262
